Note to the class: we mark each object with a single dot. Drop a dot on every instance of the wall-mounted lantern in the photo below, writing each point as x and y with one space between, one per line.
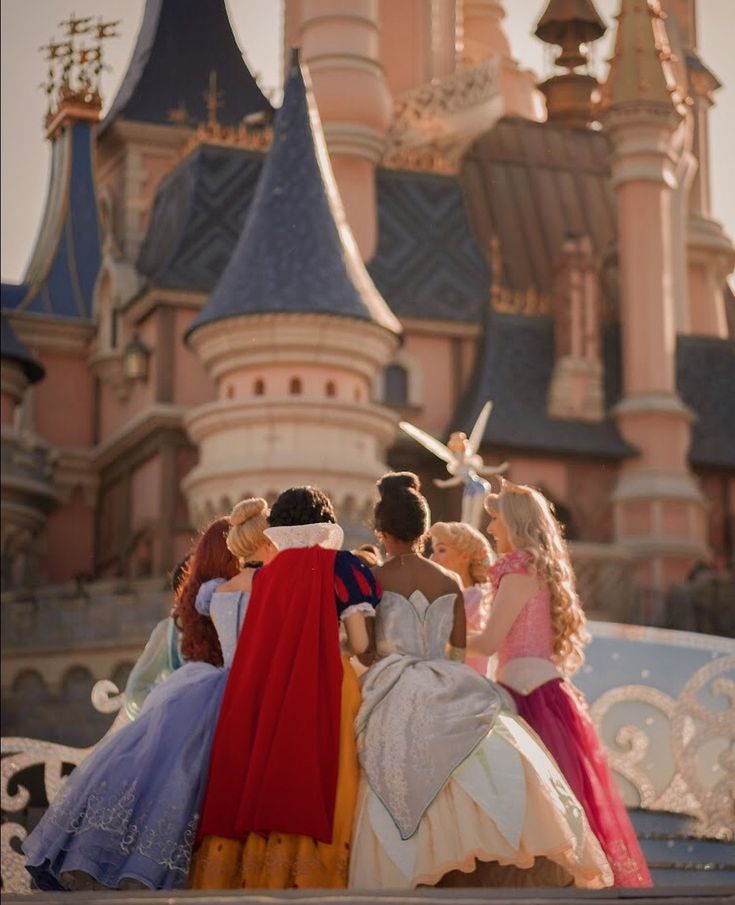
136 358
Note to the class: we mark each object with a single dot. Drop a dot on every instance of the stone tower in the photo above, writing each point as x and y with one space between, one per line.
293 336
26 487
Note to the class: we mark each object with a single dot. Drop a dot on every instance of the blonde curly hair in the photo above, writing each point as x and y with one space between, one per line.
247 521
466 539
532 526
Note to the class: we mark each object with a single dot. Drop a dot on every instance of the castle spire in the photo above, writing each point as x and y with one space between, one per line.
179 44
296 252
641 64
294 336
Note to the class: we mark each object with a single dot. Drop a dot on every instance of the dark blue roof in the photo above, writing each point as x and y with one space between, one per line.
179 43
12 294
705 377
427 263
66 259
12 347
514 366
199 212
296 253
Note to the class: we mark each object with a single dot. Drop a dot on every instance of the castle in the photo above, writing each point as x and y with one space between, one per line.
225 300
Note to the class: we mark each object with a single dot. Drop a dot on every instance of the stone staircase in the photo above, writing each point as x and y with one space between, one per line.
676 858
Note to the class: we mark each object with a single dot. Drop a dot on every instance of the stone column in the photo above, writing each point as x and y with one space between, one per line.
659 509
710 255
340 44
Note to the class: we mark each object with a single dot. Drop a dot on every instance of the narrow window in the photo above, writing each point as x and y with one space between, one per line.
396 385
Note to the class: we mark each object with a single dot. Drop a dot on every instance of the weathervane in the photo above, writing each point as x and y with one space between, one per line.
463 463
75 69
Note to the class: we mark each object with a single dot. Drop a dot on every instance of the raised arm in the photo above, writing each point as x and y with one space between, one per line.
449 482
512 595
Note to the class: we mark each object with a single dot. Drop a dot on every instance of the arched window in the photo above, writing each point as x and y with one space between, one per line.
259 387
330 389
395 384
295 387
230 392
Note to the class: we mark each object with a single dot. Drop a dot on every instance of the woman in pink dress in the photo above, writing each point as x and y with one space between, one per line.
464 551
537 628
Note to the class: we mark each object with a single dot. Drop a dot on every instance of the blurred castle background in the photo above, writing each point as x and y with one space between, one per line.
196 324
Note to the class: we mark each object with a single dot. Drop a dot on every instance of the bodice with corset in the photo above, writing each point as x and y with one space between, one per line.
227 611
421 714
413 625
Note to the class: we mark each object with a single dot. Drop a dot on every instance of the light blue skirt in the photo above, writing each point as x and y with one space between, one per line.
130 810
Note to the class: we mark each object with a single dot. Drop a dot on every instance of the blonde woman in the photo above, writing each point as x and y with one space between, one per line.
455 789
537 628
464 551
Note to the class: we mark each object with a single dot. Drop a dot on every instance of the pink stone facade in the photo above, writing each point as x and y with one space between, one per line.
127 446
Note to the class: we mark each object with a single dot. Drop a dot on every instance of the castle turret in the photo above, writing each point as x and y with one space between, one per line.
293 336
183 48
52 315
658 504
26 488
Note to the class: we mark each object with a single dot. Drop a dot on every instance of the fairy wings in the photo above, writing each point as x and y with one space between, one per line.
469 457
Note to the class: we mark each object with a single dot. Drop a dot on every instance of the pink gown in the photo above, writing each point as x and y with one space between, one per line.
476 610
558 712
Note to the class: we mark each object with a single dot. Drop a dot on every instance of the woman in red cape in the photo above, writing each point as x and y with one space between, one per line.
283 773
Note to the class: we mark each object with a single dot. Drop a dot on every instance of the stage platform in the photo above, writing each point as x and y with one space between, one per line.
664 895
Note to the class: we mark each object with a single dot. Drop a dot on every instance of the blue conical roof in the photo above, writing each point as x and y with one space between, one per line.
12 347
179 44
61 276
296 253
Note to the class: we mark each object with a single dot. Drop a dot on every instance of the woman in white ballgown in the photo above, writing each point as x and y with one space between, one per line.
455 788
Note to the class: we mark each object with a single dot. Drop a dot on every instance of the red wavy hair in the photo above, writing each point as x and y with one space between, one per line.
209 559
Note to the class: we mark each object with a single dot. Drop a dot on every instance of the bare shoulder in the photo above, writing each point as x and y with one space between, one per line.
451 578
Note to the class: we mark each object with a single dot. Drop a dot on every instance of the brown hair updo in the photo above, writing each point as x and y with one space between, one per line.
402 510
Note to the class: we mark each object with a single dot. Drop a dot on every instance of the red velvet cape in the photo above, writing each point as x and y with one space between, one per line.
275 753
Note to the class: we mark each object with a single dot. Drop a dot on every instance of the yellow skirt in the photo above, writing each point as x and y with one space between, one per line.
281 861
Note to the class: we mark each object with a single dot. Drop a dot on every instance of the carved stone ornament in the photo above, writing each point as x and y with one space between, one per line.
433 124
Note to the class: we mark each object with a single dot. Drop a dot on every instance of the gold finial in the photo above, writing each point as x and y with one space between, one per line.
213 99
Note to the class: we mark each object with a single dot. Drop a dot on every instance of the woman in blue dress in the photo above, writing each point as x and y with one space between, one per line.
127 815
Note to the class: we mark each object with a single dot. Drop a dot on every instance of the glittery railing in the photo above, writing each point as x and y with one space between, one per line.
19 754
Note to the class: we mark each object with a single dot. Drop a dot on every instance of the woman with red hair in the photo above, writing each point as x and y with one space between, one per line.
128 814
